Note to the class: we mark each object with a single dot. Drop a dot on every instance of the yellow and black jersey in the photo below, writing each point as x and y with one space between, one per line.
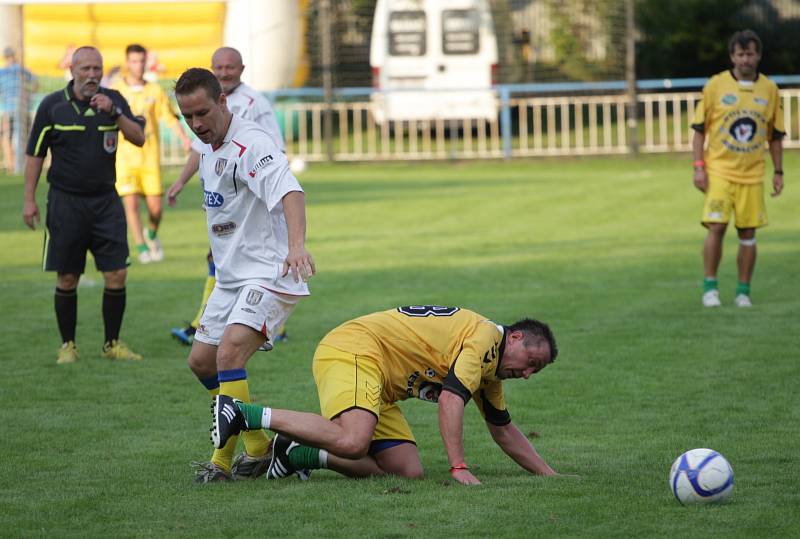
151 103
739 118
421 349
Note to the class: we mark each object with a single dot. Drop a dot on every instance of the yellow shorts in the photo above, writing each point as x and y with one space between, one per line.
345 381
139 181
746 200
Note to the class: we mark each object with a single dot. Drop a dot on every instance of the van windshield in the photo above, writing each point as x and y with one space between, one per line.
460 33
407 30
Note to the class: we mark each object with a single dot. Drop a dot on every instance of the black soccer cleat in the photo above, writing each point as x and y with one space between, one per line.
227 420
280 466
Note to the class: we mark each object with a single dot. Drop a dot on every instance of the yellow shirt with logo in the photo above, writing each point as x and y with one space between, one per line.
153 104
420 349
738 118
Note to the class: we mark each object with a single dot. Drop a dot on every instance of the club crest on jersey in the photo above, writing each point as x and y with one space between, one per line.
743 129
223 229
110 141
264 161
213 200
219 166
729 99
254 297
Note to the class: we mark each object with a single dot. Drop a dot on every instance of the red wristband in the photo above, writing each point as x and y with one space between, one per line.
461 466
699 163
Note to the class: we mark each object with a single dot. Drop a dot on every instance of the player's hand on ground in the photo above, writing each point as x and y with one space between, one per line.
30 214
172 193
101 103
701 179
464 477
777 184
300 263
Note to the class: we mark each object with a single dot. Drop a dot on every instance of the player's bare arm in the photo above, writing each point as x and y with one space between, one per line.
516 445
189 170
700 176
298 261
776 152
30 211
451 427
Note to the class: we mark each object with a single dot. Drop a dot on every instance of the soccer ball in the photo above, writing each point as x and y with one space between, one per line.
297 165
701 476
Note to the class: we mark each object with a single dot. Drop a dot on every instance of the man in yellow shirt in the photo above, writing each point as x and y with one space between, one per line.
139 169
740 114
443 355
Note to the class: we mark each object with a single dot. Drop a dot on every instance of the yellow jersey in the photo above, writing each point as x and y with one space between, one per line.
739 118
421 349
153 104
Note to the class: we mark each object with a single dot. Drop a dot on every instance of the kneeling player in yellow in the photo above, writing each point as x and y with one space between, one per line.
445 355
139 169
740 113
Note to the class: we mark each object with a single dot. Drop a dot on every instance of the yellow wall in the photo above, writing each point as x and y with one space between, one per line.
183 34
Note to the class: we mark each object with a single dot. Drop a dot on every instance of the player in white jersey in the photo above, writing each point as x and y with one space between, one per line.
243 101
255 211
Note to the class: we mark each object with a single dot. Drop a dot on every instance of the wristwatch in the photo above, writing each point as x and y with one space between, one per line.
115 113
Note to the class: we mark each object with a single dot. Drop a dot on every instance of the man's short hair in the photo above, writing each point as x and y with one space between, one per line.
134 47
535 332
743 38
195 78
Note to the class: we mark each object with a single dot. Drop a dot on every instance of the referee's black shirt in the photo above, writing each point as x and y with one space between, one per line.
82 141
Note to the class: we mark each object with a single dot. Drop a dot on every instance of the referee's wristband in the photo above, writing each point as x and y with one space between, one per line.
778 171
456 467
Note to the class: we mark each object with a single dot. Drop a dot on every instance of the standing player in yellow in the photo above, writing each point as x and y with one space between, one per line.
741 115
445 355
138 169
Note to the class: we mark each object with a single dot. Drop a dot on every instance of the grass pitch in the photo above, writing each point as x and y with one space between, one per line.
605 250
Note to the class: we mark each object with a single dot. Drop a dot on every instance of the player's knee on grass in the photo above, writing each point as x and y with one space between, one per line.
400 459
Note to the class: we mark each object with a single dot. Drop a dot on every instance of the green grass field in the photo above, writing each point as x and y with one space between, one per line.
605 250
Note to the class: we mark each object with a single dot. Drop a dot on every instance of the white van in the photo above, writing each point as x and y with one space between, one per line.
433 59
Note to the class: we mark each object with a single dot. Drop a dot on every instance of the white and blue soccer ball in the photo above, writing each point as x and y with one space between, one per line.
701 476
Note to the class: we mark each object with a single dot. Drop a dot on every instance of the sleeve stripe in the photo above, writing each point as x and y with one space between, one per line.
41 139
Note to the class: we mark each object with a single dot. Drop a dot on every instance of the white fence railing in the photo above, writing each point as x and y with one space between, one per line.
537 126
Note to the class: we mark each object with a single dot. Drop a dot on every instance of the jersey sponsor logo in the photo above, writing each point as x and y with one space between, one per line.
264 161
253 297
729 99
213 200
430 391
223 229
110 141
743 129
219 166
248 310
760 101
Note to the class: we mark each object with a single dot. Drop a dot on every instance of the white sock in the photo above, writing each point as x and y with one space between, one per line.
323 458
266 418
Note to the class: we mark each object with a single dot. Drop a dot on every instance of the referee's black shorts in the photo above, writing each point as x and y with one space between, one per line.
76 224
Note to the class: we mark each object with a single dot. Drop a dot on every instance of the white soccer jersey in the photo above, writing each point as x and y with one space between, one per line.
249 104
244 182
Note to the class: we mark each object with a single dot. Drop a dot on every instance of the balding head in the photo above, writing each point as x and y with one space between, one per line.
87 70
226 63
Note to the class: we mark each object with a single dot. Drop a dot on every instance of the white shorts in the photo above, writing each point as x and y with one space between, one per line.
254 306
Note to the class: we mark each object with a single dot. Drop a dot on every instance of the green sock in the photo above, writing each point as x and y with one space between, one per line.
743 289
304 457
710 283
151 234
142 248
252 414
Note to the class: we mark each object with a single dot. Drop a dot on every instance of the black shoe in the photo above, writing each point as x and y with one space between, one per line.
280 466
228 420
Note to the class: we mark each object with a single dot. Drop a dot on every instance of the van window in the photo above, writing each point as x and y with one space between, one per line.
407 30
460 31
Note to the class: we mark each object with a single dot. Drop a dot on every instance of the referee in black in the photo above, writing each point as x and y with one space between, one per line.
80 125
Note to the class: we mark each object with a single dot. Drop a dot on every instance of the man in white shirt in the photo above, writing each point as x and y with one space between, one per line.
247 103
255 211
